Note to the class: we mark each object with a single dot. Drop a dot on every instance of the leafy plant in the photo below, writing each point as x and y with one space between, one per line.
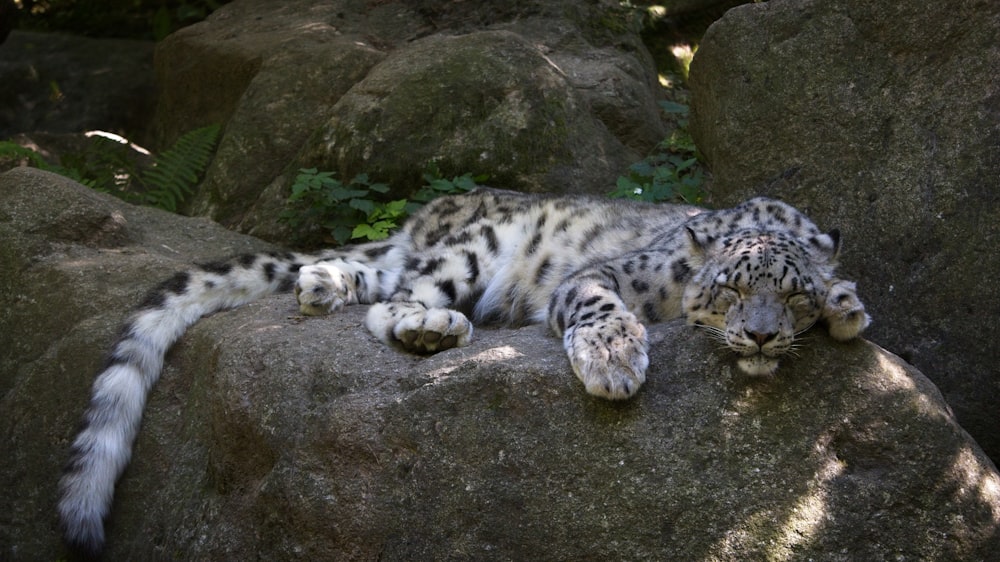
436 185
10 150
354 210
670 174
340 209
383 219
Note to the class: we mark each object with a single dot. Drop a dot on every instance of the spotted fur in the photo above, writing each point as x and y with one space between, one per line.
595 270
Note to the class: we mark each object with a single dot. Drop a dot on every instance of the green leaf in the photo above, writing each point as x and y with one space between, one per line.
343 194
464 183
377 231
362 231
341 233
685 164
396 208
674 108
642 168
364 205
626 188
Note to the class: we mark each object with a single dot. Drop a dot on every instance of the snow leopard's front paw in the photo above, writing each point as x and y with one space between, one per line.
418 329
609 357
845 315
324 288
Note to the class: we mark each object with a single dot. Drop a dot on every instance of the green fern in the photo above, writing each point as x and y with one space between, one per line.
107 166
176 171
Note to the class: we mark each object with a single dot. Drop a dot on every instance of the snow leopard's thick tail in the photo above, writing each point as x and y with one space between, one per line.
104 444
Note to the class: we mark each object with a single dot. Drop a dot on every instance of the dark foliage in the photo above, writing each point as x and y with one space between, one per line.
133 19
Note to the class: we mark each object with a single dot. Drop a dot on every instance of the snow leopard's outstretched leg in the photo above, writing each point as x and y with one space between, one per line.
599 312
103 446
606 343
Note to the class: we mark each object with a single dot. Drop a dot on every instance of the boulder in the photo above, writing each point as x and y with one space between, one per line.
8 15
275 436
542 95
882 118
57 83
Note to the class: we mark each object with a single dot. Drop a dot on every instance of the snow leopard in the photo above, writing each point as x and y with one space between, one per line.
596 270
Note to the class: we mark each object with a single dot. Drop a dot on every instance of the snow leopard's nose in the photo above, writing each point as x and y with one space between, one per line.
760 337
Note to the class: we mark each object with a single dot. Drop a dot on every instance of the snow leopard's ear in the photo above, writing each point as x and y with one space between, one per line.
827 244
700 241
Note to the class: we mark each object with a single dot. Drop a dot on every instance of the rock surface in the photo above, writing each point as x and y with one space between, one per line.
275 436
543 95
881 118
55 83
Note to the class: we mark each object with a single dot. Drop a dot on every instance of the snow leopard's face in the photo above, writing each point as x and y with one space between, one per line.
757 291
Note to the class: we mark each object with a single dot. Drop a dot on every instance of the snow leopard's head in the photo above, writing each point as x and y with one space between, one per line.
757 290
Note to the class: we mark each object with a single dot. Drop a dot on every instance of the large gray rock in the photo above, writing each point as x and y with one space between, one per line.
275 436
484 101
543 95
882 118
58 83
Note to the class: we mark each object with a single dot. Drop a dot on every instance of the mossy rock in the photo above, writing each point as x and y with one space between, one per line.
488 101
